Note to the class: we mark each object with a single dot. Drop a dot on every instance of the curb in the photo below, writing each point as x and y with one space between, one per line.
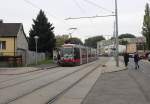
31 71
115 71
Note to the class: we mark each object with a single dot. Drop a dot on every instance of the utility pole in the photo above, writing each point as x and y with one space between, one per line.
114 44
117 42
116 29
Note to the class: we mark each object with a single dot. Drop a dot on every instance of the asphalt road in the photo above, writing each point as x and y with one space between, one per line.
40 86
125 87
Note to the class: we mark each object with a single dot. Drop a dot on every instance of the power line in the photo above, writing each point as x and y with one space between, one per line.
35 6
94 4
81 9
77 4
89 17
53 16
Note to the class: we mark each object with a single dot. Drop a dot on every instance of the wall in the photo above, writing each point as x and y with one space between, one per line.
9 46
21 41
131 48
31 57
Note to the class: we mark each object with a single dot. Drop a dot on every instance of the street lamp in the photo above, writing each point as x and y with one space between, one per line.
36 41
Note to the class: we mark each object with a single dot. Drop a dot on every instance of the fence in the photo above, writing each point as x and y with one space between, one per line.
10 61
31 57
22 57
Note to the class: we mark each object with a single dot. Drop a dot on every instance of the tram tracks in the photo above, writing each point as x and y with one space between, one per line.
11 99
26 74
7 84
53 99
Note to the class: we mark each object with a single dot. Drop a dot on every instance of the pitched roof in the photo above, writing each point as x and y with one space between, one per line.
9 29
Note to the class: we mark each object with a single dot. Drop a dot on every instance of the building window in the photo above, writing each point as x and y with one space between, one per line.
2 44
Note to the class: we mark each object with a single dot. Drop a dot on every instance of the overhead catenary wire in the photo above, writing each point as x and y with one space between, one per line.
81 9
89 17
78 5
96 5
37 7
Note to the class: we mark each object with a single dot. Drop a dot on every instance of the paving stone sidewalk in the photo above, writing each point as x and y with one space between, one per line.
110 66
117 87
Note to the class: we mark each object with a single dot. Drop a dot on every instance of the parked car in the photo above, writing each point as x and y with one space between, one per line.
146 54
142 57
149 57
131 55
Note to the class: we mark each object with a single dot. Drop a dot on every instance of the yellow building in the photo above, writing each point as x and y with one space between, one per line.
12 39
7 46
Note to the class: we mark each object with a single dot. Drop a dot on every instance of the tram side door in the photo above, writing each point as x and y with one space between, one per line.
77 55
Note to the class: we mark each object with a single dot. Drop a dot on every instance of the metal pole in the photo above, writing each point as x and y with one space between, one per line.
70 35
36 40
117 42
114 35
36 51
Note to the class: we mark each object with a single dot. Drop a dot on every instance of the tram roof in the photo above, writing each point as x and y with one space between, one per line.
76 45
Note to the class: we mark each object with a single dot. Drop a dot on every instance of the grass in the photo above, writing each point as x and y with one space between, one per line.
46 61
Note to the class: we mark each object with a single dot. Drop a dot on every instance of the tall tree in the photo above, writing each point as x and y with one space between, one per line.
123 42
44 30
92 41
74 41
146 26
127 35
60 40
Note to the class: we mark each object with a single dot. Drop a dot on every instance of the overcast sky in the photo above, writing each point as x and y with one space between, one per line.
130 15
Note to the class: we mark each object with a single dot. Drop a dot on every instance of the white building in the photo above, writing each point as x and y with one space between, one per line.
107 47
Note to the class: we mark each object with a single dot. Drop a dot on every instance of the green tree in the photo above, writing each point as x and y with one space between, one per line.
60 40
112 38
127 35
123 42
146 26
44 30
92 41
74 40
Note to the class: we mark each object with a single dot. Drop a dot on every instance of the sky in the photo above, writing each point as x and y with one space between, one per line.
130 15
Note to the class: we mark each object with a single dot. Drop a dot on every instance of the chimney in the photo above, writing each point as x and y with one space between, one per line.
1 21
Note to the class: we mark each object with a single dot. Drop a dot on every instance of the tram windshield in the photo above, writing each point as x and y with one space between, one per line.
67 52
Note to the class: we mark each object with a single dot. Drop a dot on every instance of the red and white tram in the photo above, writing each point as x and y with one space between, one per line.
73 54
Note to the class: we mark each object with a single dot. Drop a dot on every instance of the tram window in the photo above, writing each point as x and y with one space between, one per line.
76 53
67 50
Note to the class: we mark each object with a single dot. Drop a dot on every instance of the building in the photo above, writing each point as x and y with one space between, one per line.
103 46
13 41
107 46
